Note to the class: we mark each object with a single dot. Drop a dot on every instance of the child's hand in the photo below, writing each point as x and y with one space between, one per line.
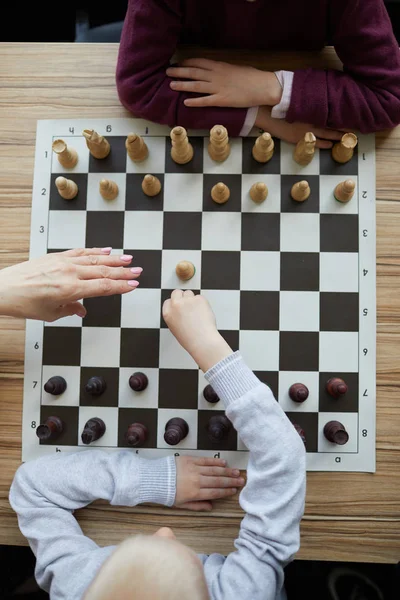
192 322
199 480
225 84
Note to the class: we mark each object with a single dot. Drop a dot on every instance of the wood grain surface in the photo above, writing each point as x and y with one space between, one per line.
349 516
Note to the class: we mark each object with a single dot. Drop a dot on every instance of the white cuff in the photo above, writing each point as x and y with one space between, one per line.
285 78
249 121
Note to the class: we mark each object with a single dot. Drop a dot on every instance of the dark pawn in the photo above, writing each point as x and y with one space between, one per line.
210 395
336 387
136 434
51 429
138 382
96 386
298 392
218 428
55 385
335 432
175 431
300 431
94 429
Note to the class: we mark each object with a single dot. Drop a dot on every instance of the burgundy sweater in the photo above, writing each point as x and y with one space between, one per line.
365 96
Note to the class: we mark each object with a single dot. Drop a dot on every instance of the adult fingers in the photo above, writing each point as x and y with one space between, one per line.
220 482
196 506
73 308
219 471
324 144
105 287
212 100
215 493
188 293
197 87
176 295
86 251
95 259
189 73
104 272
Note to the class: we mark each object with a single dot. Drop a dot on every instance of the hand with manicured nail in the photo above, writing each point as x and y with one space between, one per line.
49 287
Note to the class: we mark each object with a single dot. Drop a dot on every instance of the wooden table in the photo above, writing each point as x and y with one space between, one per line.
354 517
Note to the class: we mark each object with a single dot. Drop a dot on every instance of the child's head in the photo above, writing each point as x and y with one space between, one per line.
154 567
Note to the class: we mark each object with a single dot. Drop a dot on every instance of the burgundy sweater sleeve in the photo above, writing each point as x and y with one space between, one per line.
366 95
149 38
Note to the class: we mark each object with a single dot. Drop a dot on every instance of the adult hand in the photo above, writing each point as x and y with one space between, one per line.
224 84
48 288
199 480
192 322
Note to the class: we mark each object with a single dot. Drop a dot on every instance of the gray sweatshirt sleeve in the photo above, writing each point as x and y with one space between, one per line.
273 497
45 492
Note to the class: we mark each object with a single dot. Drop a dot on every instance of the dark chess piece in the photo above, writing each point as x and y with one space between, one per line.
335 432
94 429
300 431
210 395
95 386
55 385
50 429
138 382
175 431
336 387
136 434
218 428
298 392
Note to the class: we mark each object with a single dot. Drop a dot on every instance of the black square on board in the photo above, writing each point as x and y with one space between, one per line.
220 270
298 351
339 311
299 271
115 162
327 166
69 415
339 233
178 388
77 203
309 424
165 295
311 205
204 442
250 165
150 261
136 199
182 231
271 379
145 416
194 166
62 346
234 183
110 396
104 228
104 311
231 337
346 403
140 347
261 231
259 310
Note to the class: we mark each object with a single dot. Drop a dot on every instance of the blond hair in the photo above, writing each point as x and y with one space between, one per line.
150 568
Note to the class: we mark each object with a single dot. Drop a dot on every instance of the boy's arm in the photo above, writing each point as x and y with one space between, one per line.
366 95
45 493
149 39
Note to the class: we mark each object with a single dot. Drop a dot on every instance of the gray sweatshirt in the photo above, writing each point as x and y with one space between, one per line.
45 493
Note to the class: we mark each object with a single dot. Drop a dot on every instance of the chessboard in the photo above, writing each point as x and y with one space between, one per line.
292 285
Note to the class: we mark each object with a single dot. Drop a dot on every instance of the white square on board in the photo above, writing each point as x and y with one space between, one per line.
154 163
221 231
77 143
327 200
72 376
141 308
183 192
260 271
260 349
226 307
100 346
300 232
272 204
338 351
299 311
95 200
350 422
169 278
190 416
172 355
338 272
143 229
309 379
202 402
290 167
109 414
128 398
232 165
67 229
